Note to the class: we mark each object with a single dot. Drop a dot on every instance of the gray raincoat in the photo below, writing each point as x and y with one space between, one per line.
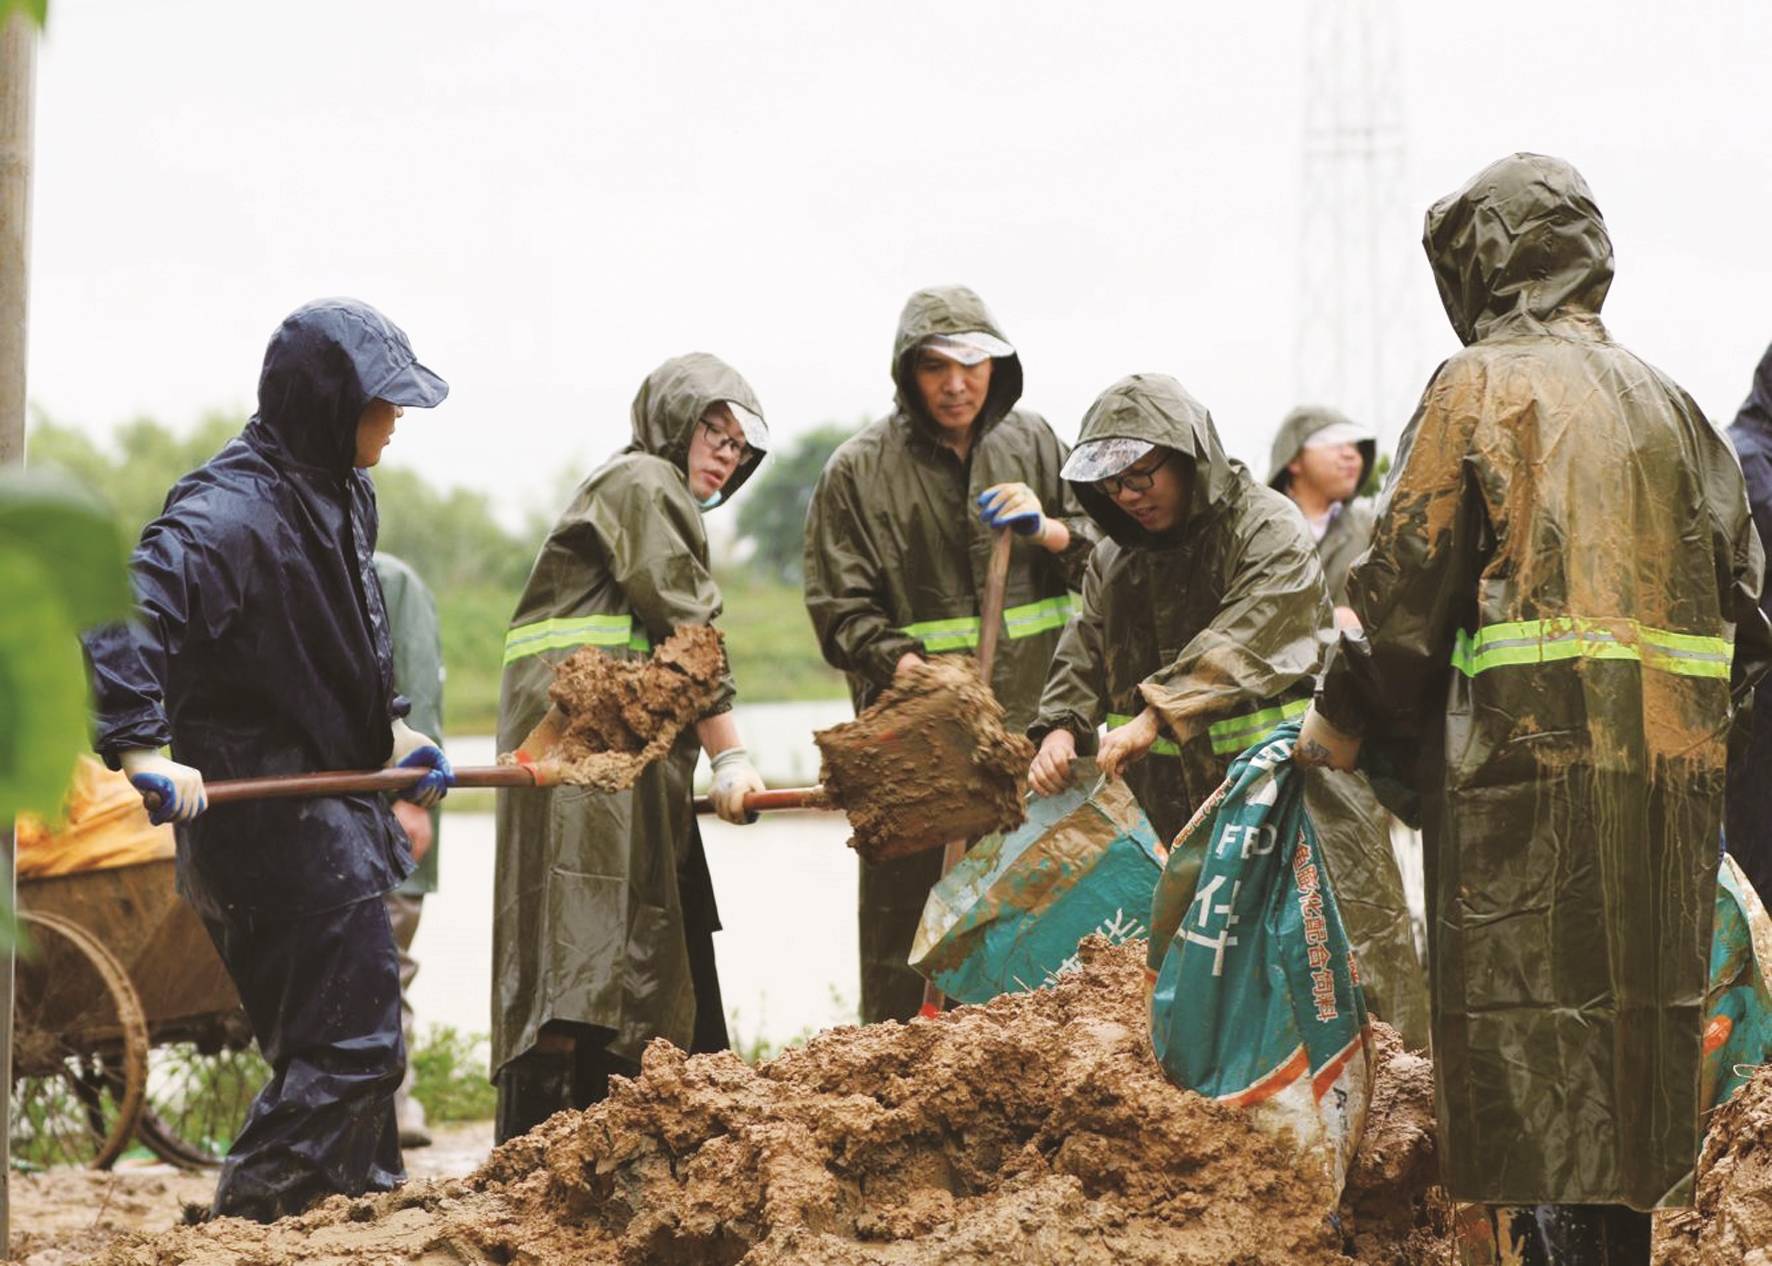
1559 601
1217 624
588 924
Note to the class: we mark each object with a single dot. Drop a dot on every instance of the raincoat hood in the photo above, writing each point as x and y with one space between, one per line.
326 361
1756 410
671 401
1521 240
1157 409
950 310
1302 423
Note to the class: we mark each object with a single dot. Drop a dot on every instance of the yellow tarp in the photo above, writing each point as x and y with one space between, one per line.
106 826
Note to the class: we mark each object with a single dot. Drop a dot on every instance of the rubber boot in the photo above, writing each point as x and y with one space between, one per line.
531 1088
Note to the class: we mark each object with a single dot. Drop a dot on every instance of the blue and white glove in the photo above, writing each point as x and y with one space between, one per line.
179 788
412 748
1013 506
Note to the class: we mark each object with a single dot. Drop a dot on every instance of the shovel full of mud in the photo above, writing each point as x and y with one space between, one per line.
928 762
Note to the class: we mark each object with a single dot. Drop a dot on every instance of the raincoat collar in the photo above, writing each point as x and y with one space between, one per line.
949 310
1520 244
1157 409
671 401
326 361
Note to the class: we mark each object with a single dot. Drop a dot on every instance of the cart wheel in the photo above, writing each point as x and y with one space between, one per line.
198 1099
80 1049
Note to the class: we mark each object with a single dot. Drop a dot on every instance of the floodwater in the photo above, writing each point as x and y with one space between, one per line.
785 886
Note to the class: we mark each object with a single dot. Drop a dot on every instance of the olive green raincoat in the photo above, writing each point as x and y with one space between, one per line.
896 558
1350 525
418 674
1217 624
588 925
1557 606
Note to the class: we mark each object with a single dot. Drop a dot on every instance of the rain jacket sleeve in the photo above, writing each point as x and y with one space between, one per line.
1076 697
1418 579
843 584
1262 640
127 662
1740 554
647 531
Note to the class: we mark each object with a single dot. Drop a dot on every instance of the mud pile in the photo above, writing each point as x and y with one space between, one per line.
1036 1128
1731 1218
927 762
620 715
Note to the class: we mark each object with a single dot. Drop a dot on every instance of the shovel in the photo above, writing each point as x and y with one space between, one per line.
990 618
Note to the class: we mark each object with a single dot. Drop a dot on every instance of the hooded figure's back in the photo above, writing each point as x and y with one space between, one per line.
1560 585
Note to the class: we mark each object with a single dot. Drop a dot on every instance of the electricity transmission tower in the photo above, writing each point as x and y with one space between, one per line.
1357 238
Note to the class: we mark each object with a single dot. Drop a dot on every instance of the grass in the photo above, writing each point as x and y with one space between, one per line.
449 1076
774 653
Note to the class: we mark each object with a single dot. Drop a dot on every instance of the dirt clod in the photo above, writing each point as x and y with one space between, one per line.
622 714
1036 1128
1731 1218
927 762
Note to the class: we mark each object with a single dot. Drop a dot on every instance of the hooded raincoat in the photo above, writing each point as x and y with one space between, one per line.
896 558
602 900
262 647
1560 596
1750 769
1217 625
1350 522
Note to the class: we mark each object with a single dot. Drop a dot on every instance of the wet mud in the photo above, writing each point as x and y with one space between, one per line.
929 761
1730 1223
620 715
1035 1128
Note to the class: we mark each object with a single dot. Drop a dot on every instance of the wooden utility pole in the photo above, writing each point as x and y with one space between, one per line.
18 85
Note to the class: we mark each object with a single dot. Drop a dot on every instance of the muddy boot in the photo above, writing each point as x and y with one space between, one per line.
531 1088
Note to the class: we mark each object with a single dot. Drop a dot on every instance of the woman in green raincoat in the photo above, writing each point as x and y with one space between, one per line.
603 908
1200 631
1558 606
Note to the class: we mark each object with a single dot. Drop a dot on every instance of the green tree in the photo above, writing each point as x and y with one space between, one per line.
772 511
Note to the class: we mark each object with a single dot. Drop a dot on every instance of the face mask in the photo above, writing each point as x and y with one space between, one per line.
711 502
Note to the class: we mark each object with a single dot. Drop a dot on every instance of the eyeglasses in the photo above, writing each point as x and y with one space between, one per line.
1132 480
721 442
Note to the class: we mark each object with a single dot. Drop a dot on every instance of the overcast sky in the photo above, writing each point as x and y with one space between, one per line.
552 196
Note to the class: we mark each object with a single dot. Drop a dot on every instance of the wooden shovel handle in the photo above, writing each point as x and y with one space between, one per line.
341 782
780 798
990 620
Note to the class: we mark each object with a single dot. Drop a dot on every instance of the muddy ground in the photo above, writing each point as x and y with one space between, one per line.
928 761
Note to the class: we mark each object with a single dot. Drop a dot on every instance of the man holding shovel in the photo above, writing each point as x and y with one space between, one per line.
1200 631
1558 617
262 648
898 541
603 915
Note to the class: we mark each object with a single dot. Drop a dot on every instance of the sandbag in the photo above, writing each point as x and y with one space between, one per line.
105 825
1738 1001
1255 997
1009 915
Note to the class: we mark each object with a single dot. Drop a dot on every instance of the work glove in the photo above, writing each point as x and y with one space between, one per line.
179 787
1320 743
412 748
734 778
1013 506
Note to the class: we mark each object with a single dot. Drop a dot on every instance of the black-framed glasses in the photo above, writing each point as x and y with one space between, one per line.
721 442
1133 480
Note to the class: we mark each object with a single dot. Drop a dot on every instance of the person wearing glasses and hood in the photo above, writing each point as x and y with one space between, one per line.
1200 630
1559 616
262 648
603 908
898 543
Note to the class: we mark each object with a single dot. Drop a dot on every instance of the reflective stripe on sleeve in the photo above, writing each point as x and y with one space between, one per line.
565 632
1576 637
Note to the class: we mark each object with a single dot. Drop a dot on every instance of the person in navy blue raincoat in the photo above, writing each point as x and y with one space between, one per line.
262 647
1749 812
